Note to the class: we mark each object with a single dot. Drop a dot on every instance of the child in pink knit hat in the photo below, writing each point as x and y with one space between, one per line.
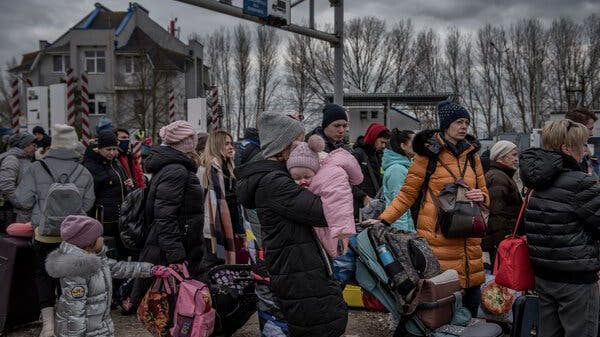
332 179
86 278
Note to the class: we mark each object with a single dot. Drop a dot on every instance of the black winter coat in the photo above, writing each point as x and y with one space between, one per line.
562 217
109 188
366 155
310 299
175 205
505 204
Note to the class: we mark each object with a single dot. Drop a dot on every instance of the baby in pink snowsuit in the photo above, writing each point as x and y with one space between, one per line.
332 180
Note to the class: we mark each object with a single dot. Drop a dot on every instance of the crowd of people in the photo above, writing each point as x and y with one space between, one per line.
287 202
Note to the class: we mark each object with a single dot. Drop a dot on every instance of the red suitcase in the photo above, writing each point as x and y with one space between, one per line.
18 293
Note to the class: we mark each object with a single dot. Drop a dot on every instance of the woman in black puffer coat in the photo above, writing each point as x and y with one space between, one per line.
110 182
174 205
562 221
301 278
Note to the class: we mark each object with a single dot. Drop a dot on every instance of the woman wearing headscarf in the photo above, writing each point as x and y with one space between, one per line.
505 199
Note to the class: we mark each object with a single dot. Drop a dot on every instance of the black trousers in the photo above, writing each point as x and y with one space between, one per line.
48 288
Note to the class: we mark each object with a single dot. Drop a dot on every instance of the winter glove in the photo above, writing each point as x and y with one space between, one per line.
160 271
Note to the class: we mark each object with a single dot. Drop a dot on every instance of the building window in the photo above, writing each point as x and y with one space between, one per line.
97 104
374 114
95 61
60 63
131 65
363 115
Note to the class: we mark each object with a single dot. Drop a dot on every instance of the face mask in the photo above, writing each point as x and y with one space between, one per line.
124 145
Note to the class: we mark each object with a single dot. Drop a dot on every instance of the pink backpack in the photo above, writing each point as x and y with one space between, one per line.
194 315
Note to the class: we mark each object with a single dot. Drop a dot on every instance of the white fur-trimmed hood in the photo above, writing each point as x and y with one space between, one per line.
69 260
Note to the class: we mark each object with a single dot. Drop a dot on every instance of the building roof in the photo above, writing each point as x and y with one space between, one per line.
107 20
392 98
161 58
59 49
405 114
26 62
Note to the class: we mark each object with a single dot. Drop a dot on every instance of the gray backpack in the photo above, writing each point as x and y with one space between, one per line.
63 199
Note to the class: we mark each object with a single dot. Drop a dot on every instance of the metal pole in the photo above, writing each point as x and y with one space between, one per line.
338 59
311 14
238 12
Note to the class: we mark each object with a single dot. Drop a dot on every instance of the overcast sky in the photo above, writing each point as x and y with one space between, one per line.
24 22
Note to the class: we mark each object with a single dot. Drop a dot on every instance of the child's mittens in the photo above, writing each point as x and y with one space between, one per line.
160 271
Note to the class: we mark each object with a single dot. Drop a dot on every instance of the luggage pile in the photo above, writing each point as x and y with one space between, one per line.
401 271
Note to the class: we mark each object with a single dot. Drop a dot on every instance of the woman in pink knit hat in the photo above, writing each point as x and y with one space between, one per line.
174 204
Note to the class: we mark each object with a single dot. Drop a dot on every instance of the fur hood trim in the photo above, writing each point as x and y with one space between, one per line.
427 143
70 262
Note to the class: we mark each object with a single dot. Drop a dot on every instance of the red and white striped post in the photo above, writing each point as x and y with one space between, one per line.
85 110
214 107
137 150
70 98
15 105
171 106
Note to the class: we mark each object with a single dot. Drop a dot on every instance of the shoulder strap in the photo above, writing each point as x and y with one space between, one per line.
47 169
520 217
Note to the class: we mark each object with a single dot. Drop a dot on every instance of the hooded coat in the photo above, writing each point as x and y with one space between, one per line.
333 183
505 204
175 206
13 165
395 168
109 189
83 308
562 218
461 254
301 279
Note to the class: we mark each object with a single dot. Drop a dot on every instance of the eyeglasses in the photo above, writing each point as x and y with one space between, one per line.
571 124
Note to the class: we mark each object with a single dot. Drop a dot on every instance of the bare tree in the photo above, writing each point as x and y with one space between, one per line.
592 67
297 70
427 69
145 106
242 39
525 66
218 46
566 62
367 54
267 59
401 37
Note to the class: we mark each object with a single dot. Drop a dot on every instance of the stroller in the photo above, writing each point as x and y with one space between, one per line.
433 306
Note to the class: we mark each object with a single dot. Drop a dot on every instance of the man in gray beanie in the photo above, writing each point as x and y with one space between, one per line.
61 160
277 132
13 164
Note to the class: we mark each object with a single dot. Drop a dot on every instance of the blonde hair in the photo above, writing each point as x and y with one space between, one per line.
563 132
214 152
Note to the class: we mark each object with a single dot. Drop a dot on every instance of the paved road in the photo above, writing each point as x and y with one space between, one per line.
360 324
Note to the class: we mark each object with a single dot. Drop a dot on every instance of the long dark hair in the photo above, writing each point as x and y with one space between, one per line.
399 137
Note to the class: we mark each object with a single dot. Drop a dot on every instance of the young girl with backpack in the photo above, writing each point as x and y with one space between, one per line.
85 275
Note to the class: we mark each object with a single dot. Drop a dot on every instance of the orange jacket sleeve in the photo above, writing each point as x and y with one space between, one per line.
409 192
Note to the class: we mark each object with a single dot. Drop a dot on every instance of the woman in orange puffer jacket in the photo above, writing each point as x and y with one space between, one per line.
455 148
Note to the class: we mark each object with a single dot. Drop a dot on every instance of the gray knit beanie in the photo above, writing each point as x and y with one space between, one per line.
277 132
21 140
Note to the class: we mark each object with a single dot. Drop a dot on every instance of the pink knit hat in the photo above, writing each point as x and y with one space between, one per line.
307 154
179 135
80 230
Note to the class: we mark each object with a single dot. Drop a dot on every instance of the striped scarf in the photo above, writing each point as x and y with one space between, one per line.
221 228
